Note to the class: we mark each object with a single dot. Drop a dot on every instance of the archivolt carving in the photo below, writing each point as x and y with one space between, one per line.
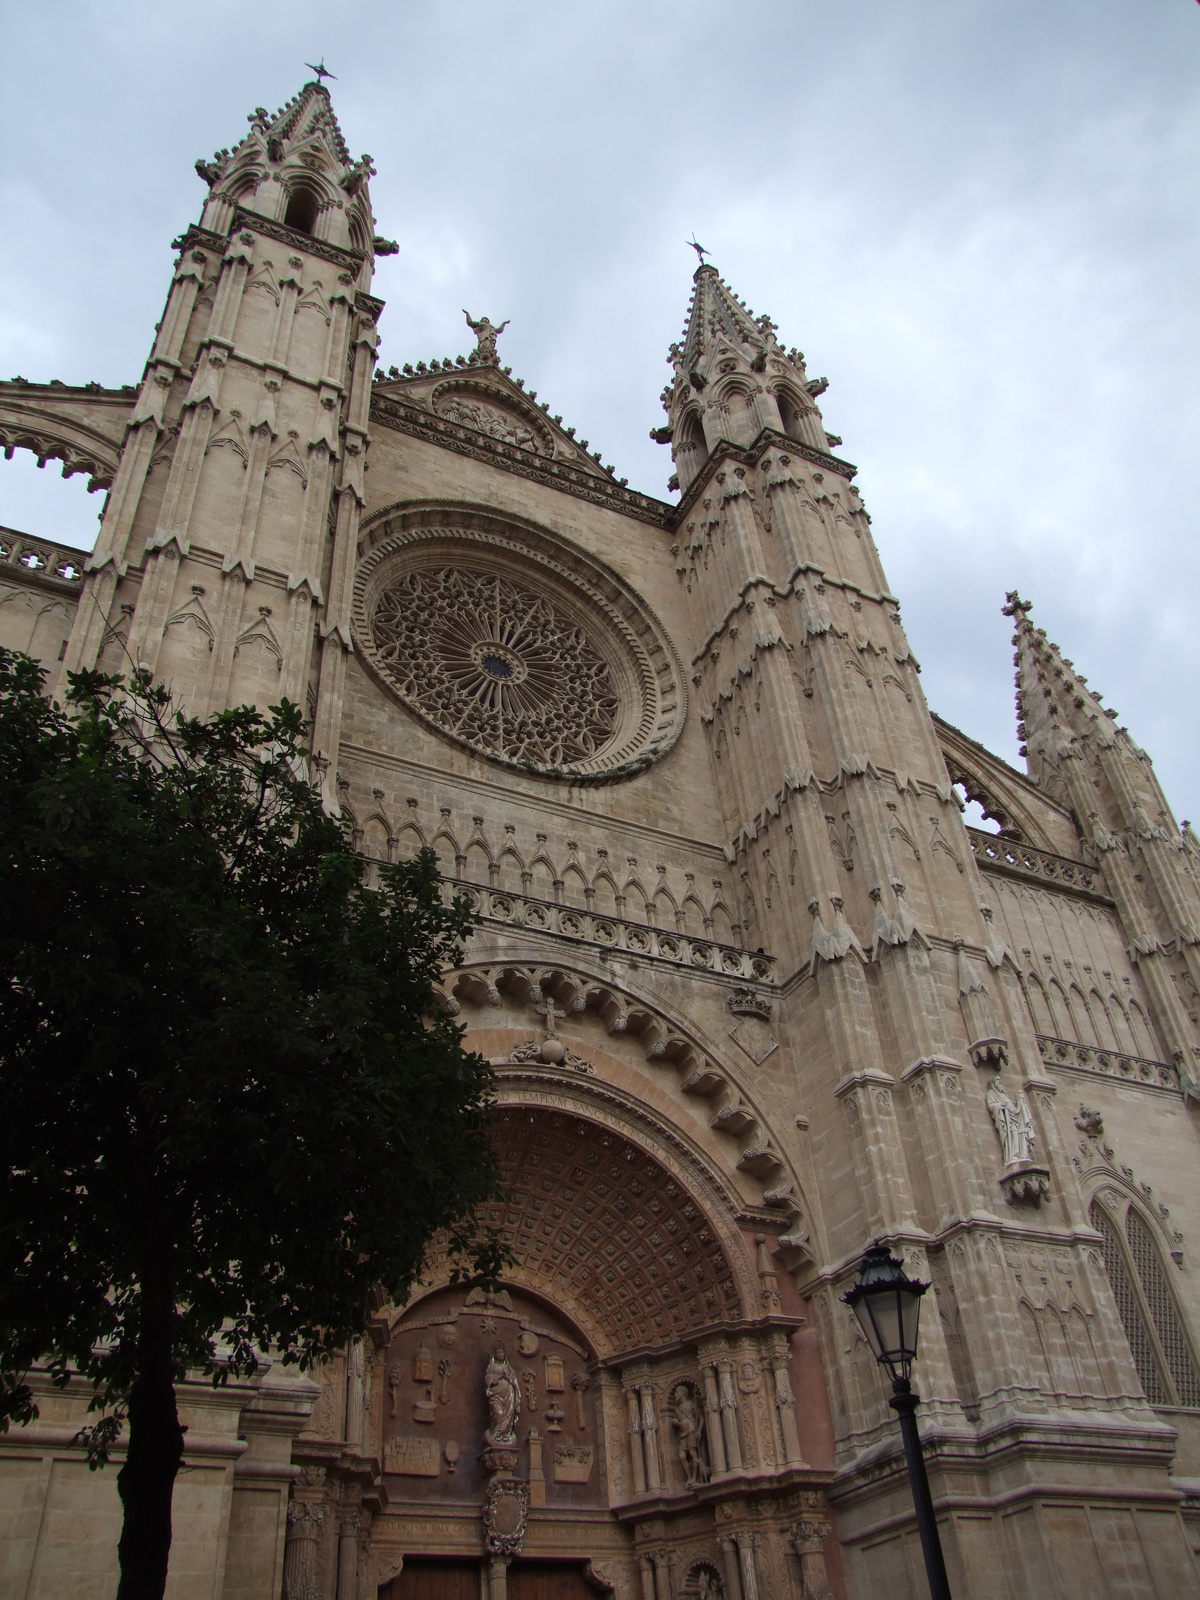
32 420
519 647
663 1041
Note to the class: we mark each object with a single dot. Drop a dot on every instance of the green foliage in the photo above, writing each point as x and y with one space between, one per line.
233 1108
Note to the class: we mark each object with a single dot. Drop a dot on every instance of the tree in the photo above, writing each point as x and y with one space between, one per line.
234 1107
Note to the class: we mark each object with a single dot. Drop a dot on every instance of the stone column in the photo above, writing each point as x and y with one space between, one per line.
635 1441
662 1575
712 1410
729 1422
650 1436
355 1394
300 1552
729 1560
746 1543
646 1567
497 1578
785 1402
347 1561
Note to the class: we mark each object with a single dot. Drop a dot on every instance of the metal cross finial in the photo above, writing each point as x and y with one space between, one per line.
698 248
321 70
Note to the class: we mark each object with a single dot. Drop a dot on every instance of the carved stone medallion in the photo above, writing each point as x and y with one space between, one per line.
505 1513
522 650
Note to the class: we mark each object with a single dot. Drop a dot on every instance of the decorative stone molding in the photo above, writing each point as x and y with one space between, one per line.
479 406
511 644
1008 857
1134 1070
49 566
391 412
615 933
505 1514
1025 1183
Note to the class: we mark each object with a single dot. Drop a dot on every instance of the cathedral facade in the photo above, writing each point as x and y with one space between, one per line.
754 993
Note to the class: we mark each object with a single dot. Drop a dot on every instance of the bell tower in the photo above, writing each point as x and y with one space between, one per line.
904 1018
226 544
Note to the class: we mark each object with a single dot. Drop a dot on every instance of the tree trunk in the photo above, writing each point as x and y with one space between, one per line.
147 1480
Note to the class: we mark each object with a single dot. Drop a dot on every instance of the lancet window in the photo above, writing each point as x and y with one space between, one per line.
1158 1339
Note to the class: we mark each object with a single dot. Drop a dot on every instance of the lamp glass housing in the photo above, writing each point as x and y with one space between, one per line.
887 1304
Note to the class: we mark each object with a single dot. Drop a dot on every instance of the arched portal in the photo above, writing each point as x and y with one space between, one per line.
633 1367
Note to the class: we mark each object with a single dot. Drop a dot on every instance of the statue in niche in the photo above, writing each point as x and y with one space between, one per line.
1014 1122
708 1585
688 1421
503 1390
486 333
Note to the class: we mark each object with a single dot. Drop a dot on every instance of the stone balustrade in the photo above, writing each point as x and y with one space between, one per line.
1107 1063
995 853
61 564
613 933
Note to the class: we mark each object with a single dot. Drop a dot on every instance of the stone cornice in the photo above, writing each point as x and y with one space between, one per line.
292 237
197 238
392 413
750 455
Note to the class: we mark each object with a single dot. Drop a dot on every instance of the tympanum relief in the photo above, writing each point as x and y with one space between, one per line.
508 1391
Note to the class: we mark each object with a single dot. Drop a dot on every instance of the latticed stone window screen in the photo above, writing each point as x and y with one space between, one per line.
497 665
1157 1338
1172 1336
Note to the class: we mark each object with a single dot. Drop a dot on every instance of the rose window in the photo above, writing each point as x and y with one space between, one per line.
522 649
497 665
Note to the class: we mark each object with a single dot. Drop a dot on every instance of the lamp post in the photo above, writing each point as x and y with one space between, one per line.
887 1304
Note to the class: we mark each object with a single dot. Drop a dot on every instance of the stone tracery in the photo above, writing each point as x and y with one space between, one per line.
501 667
520 648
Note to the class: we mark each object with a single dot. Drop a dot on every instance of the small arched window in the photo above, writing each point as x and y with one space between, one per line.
302 208
693 434
1158 1339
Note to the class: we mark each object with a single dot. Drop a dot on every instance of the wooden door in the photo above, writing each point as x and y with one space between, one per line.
547 1580
435 1580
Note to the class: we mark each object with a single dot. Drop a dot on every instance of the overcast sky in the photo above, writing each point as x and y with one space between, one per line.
978 219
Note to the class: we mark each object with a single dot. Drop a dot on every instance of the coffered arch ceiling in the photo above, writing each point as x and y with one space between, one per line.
602 1225
612 1219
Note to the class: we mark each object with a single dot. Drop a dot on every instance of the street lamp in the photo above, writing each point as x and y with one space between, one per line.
887 1304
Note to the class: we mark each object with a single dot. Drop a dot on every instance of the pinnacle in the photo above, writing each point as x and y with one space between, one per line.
1055 709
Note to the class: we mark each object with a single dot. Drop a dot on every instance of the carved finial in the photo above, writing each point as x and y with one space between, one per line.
1016 607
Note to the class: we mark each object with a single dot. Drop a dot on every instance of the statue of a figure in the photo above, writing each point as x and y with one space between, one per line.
708 1585
503 1391
688 1422
1014 1122
486 333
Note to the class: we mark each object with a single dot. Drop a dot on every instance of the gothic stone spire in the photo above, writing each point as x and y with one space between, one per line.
1078 755
733 379
294 168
